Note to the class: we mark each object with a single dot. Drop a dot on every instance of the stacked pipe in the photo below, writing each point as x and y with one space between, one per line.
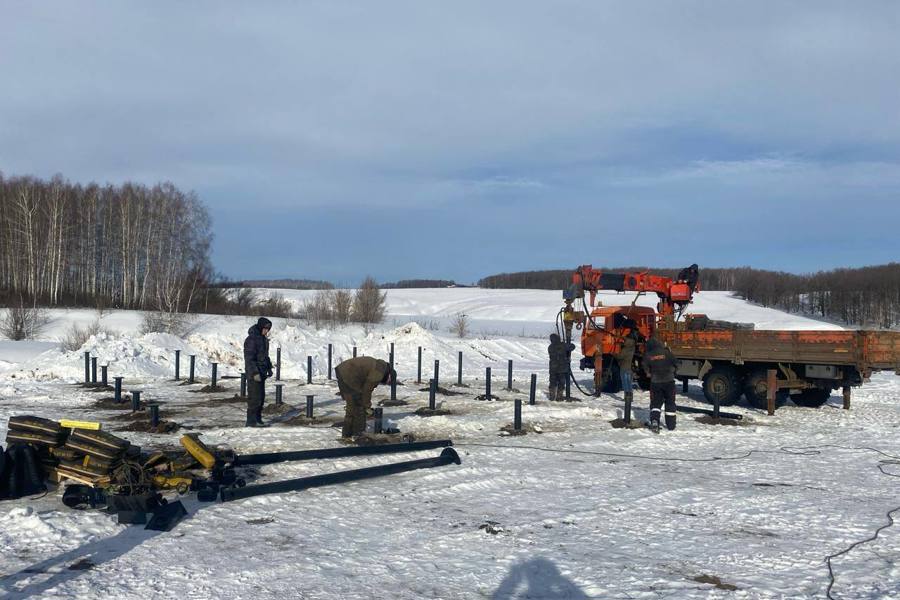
43 435
91 456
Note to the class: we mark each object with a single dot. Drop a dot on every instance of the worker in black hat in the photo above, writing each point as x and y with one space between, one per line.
258 368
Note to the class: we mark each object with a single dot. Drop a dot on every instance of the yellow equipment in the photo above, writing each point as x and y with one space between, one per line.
198 450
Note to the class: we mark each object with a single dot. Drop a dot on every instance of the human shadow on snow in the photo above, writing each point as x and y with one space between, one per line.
60 569
537 578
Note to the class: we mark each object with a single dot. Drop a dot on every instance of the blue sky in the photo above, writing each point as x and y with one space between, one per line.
457 140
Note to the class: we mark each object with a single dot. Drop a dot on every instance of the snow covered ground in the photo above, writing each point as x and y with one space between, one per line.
580 510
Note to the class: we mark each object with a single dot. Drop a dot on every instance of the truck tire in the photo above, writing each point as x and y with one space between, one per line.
811 398
756 390
722 383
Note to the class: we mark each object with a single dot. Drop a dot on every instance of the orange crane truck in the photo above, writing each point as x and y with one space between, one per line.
730 359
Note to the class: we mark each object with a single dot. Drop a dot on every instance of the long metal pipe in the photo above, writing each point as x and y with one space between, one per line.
277 457
448 456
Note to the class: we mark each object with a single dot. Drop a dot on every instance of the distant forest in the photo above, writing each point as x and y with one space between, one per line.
865 296
278 284
129 246
420 283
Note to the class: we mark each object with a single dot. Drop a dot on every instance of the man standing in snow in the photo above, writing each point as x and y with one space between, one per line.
559 366
625 358
357 379
659 364
258 368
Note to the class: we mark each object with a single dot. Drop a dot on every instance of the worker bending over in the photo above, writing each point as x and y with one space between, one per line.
357 379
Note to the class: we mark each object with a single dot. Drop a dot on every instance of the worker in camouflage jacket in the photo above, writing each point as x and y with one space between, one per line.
659 364
560 367
258 368
357 379
625 359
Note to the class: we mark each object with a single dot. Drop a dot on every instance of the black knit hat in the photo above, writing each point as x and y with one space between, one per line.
264 323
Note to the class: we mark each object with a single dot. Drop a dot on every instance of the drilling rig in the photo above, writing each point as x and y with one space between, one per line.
731 359
605 327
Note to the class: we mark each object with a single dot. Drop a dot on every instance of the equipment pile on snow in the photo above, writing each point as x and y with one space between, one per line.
108 472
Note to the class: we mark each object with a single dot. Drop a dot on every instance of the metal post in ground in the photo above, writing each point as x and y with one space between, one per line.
569 385
135 400
627 416
278 364
191 372
243 385
309 406
771 390
117 395
533 391
94 370
378 426
419 368
215 369
154 414
437 373
354 351
846 391
487 383
393 379
432 393
279 394
684 386
308 370
87 367
459 368
517 415
330 349
509 376
104 372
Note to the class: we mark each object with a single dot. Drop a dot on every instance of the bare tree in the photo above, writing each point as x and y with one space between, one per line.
23 322
342 306
460 325
244 301
76 336
369 303
317 310
177 324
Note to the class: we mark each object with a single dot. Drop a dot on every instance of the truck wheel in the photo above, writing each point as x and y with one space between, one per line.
756 391
722 383
811 398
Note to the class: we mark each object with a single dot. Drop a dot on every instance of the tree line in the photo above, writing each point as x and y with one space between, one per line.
276 284
865 296
124 246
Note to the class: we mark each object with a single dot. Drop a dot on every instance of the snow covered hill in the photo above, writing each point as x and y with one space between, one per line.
579 510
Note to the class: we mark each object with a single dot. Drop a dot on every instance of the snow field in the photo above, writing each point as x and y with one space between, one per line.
597 513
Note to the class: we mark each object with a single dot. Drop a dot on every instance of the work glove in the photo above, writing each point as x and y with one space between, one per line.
257 378
370 412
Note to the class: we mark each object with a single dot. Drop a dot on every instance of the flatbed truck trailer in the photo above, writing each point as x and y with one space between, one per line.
809 364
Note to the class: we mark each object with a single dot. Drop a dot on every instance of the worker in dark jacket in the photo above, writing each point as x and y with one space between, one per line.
625 359
560 367
357 379
659 364
258 368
